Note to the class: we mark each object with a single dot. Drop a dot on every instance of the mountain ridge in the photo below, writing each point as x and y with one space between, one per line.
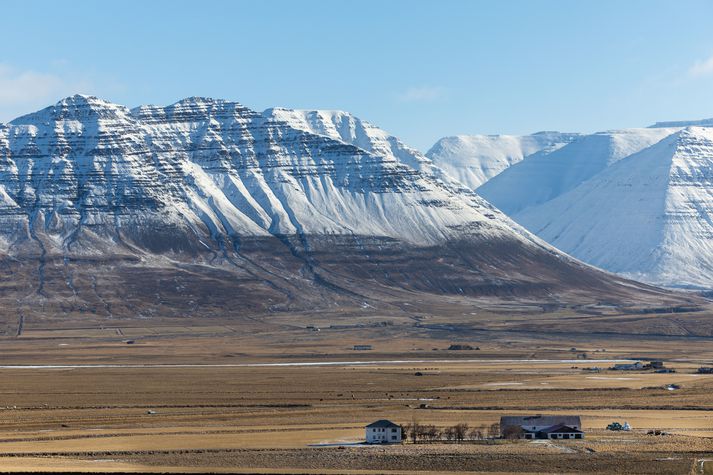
137 211
658 223
475 159
573 199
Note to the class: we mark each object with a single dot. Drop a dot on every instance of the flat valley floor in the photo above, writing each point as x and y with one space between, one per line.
270 395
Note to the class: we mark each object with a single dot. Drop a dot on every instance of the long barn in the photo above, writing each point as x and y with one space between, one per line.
541 427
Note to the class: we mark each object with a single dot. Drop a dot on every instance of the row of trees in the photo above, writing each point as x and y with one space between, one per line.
420 433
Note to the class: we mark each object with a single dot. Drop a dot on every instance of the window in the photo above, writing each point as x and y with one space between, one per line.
393 429
393 437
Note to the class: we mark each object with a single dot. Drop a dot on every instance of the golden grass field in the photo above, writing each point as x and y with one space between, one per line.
220 397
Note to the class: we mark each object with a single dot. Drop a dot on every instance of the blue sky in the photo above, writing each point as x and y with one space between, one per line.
421 70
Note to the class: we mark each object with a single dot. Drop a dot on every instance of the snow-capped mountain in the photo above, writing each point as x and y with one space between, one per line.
648 216
214 168
543 177
475 159
208 204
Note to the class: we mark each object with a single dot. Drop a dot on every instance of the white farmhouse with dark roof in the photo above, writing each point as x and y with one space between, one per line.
383 432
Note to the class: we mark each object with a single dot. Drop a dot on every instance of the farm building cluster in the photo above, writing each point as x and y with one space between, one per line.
537 426
639 366
541 427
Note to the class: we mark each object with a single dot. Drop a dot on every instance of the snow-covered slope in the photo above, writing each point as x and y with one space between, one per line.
347 128
208 203
215 167
543 177
475 159
648 216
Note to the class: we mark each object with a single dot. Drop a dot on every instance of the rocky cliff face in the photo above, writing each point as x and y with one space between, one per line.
206 203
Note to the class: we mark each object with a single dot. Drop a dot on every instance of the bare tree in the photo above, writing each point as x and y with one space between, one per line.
406 431
494 431
459 432
512 432
415 430
449 433
433 433
475 434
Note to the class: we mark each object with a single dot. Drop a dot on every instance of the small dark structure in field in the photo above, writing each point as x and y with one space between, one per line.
461 347
362 347
541 427
705 370
628 366
656 365
383 432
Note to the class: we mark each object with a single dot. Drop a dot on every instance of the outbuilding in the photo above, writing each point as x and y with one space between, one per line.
383 432
541 427
628 366
559 431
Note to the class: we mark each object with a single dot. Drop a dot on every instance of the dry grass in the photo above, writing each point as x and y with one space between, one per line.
272 419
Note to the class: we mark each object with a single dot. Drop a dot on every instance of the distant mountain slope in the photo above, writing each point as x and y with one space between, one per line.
206 207
648 216
475 159
684 123
541 178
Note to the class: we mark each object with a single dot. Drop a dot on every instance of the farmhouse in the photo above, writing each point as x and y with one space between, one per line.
628 366
383 432
541 427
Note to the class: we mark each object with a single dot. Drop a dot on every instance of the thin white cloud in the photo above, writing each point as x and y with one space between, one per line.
422 94
702 68
23 91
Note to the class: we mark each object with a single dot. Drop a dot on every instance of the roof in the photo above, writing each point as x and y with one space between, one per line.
540 420
383 423
560 429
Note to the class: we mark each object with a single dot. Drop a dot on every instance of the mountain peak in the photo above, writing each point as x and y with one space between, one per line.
192 108
76 107
80 99
204 101
683 123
